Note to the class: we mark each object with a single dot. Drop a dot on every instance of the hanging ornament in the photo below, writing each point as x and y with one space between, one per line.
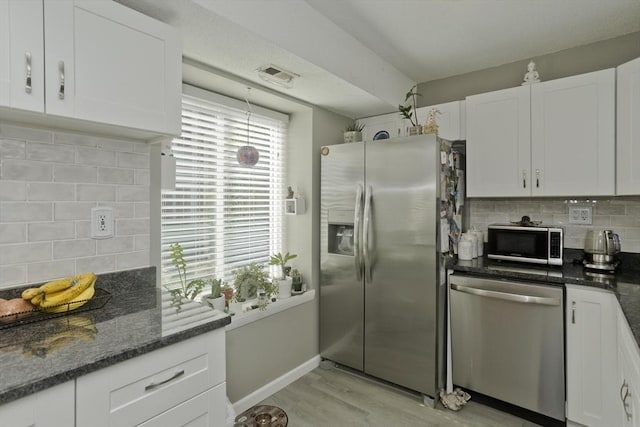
248 155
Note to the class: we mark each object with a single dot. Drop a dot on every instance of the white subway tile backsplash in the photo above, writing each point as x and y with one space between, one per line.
115 176
45 271
22 212
13 233
50 153
26 170
25 253
13 191
51 192
24 133
12 149
98 192
63 211
125 227
115 245
134 161
96 264
42 231
49 181
132 260
74 248
95 157
75 173
133 193
12 275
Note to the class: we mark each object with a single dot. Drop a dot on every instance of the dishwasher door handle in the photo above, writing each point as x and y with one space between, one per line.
525 299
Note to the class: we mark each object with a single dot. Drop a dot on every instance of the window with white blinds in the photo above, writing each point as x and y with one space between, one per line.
223 214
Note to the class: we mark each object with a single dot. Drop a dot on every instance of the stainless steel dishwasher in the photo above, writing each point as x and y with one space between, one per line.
507 341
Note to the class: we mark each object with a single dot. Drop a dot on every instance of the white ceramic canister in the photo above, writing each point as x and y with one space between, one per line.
465 247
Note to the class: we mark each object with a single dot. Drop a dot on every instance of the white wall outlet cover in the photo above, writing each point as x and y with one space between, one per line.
580 215
102 223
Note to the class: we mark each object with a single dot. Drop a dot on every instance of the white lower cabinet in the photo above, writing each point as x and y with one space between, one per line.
53 407
591 357
164 384
628 398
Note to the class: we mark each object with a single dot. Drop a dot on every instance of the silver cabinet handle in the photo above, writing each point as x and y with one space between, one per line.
155 385
537 178
573 312
27 61
625 405
61 74
526 299
365 232
357 232
524 178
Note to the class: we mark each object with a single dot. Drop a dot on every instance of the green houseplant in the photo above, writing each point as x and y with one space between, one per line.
247 280
284 282
187 290
215 297
409 111
353 132
296 280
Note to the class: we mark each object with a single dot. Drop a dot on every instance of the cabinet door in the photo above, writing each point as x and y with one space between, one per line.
21 55
573 135
628 128
591 357
451 120
628 399
498 143
53 407
205 410
119 67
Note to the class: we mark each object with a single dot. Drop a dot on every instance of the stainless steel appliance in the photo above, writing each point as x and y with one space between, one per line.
382 282
535 243
507 341
601 248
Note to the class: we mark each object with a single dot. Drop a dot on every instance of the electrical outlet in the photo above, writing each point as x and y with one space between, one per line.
101 223
580 215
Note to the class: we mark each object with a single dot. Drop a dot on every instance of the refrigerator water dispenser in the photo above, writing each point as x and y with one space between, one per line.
341 232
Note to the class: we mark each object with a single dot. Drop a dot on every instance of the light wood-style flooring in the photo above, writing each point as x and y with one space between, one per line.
330 397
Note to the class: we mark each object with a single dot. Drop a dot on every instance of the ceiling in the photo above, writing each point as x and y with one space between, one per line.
359 57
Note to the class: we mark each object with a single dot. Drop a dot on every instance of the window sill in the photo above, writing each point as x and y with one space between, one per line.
241 319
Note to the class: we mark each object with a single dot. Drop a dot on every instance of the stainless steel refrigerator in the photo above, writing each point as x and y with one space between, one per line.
382 284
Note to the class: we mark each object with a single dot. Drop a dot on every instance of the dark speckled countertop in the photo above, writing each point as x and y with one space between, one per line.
135 321
625 283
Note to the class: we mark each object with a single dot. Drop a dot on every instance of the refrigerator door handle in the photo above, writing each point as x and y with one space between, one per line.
357 232
365 232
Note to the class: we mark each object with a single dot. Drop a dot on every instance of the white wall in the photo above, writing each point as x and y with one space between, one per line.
49 181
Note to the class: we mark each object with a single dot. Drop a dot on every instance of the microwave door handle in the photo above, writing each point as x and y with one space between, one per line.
366 236
357 232
525 299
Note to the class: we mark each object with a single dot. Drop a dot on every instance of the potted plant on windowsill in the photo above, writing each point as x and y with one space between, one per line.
409 111
187 290
215 299
247 280
284 282
353 132
296 280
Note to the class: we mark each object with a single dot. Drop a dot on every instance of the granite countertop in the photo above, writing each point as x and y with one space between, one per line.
625 283
136 320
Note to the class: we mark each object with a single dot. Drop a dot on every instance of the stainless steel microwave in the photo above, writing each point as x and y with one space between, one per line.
535 244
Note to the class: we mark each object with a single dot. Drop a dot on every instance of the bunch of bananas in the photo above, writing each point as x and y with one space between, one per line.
62 295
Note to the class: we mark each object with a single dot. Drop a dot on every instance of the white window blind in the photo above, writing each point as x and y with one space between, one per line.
223 214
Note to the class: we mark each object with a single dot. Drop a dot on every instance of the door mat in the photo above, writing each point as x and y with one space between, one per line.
262 416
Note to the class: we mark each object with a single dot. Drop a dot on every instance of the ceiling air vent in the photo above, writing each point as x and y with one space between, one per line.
277 76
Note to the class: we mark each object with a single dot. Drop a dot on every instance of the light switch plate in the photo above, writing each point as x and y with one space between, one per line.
101 223
581 215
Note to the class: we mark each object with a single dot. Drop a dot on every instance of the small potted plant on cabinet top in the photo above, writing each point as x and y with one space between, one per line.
353 132
284 282
409 111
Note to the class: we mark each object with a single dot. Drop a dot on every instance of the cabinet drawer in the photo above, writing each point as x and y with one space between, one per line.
205 410
136 390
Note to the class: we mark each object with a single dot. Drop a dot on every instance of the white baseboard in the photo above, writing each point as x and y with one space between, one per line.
276 385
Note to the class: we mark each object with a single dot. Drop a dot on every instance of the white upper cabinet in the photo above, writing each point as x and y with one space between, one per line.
451 119
21 55
573 135
498 143
569 124
102 63
628 128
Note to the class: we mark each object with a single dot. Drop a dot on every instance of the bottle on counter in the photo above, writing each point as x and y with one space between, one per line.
466 246
480 237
